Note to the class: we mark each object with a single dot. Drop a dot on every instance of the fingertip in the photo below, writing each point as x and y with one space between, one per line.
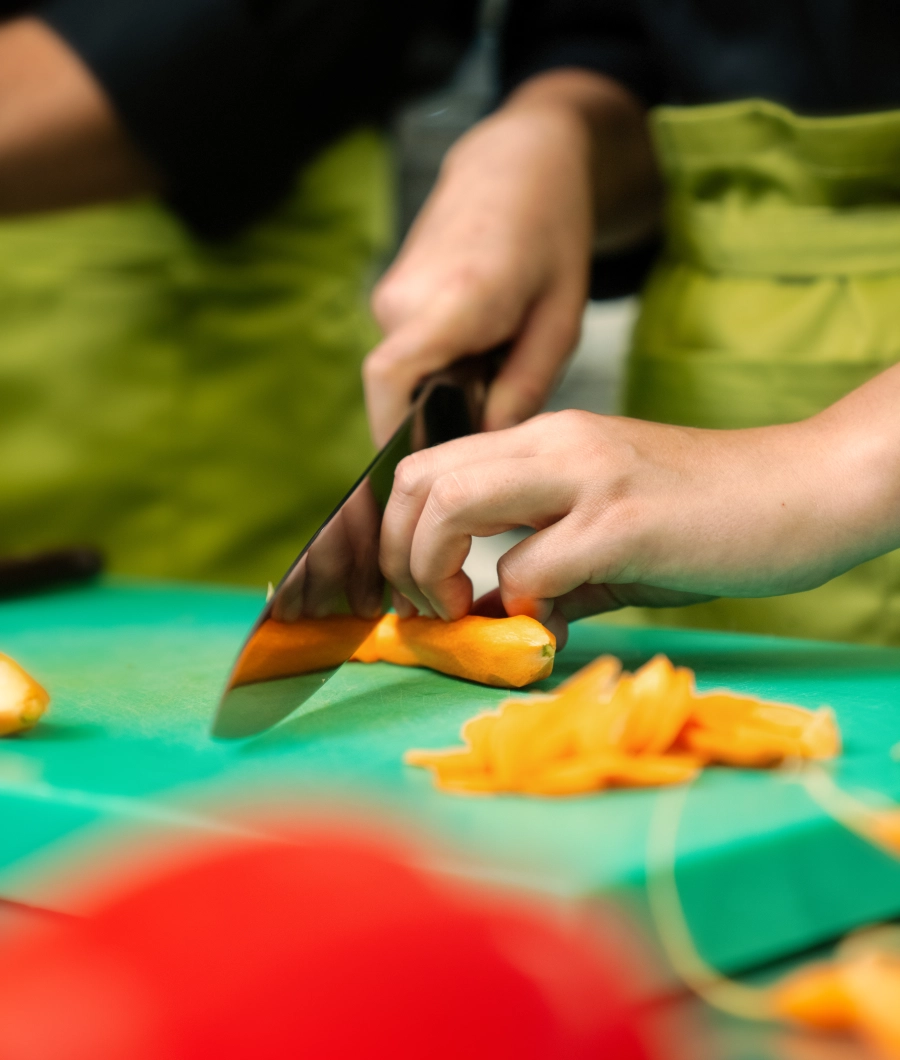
453 599
404 608
540 610
501 411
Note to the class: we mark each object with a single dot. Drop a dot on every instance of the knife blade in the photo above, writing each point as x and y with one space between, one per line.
333 593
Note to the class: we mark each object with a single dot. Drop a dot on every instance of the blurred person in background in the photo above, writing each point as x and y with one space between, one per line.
194 195
760 139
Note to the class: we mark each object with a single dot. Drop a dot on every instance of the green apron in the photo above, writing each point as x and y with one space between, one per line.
194 410
779 292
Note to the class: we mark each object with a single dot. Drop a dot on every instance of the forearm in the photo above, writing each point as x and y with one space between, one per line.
858 439
627 187
61 144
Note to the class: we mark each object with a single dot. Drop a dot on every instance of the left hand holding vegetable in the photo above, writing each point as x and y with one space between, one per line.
628 512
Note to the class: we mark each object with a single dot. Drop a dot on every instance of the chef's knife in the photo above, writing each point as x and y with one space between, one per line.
325 606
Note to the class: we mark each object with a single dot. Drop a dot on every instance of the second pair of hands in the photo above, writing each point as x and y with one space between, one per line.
626 512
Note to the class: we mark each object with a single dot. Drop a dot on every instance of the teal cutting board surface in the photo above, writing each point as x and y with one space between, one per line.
135 670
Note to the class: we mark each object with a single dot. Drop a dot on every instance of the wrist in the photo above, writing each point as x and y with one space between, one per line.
525 138
626 186
860 451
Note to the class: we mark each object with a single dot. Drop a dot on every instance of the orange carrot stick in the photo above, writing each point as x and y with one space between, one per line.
22 699
503 652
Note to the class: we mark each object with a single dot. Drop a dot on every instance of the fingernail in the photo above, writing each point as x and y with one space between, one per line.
540 610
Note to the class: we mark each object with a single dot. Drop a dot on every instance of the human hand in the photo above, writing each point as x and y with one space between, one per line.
501 250
633 513
61 142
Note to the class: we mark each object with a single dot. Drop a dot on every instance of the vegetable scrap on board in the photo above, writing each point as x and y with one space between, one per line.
604 728
22 700
857 992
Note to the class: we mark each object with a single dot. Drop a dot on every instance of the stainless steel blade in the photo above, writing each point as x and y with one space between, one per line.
331 598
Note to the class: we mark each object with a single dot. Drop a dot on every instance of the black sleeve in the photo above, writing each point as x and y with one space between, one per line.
607 36
229 97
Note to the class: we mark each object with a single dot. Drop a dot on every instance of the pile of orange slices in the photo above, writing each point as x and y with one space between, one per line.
603 728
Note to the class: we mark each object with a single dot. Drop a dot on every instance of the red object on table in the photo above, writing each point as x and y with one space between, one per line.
325 948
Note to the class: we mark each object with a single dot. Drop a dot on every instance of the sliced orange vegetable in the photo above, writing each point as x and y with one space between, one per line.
746 746
477 733
884 827
662 698
447 765
724 712
594 682
821 737
527 735
593 773
651 771
602 728
287 649
503 652
873 982
569 776
739 748
471 784
22 699
816 996
859 994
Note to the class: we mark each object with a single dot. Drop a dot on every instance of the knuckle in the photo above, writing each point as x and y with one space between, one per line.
519 580
481 290
390 301
389 363
448 495
419 569
574 426
408 475
377 366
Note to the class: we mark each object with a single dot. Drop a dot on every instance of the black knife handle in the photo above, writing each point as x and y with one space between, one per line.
21 575
456 397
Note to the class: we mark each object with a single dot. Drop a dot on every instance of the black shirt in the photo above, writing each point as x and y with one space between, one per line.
229 97
814 56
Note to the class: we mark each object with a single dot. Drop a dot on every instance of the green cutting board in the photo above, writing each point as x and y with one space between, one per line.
135 670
